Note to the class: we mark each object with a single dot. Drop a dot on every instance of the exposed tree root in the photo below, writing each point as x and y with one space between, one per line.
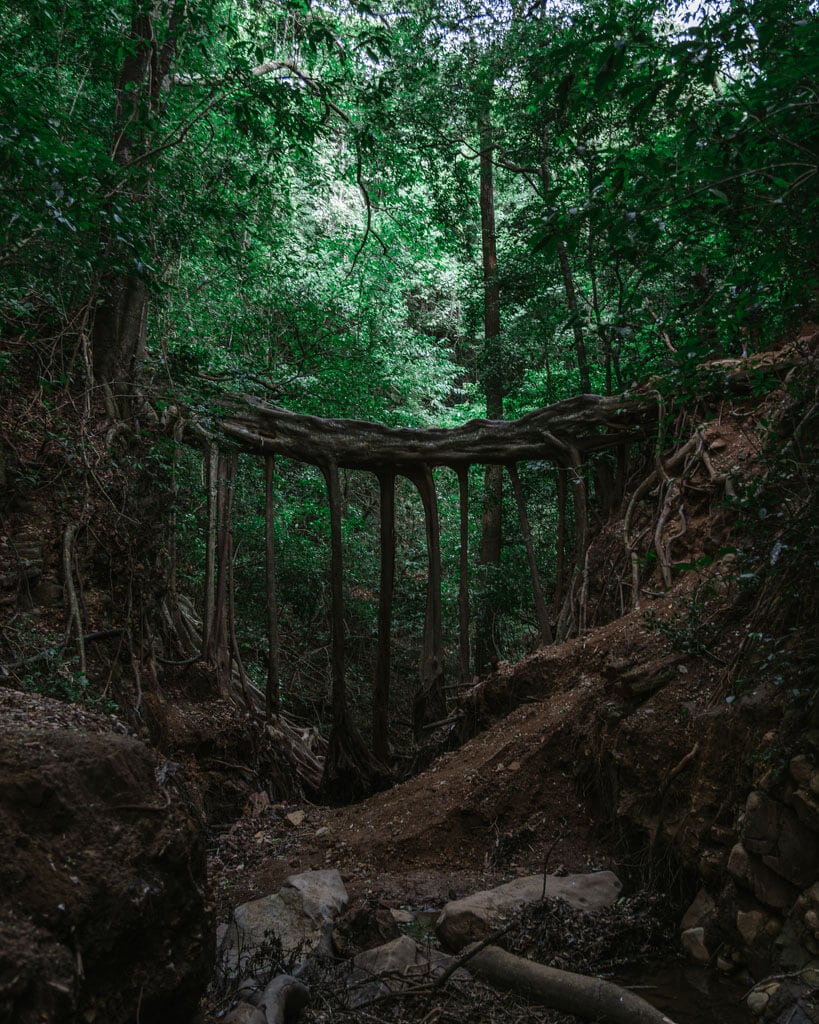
351 772
590 998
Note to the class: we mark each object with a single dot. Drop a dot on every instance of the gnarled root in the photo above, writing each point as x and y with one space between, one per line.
591 998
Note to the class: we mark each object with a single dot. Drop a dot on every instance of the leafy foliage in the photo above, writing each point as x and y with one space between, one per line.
298 193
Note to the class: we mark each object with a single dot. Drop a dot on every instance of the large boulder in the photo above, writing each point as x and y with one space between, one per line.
291 924
475 917
102 873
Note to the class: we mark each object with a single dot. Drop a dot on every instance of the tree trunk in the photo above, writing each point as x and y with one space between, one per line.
272 697
430 701
463 577
560 572
339 694
212 476
492 521
574 313
381 689
217 651
119 331
568 278
572 613
350 772
540 603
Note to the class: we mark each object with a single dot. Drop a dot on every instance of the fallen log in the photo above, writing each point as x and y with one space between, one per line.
590 998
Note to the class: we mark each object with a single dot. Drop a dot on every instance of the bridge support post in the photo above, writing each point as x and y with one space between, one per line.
463 577
381 687
540 603
430 701
272 690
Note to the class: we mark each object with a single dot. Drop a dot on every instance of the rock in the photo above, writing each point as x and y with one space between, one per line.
806 808
699 913
401 916
768 887
394 966
295 818
102 873
761 826
813 785
475 917
693 942
323 832
757 1002
801 769
750 925
257 803
363 927
796 853
790 946
244 1013
299 918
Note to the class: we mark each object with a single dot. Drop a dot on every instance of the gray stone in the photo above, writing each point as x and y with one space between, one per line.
739 862
474 917
393 967
801 768
761 826
300 916
693 942
768 887
244 1013
699 913
757 1002
796 854
806 807
750 925
792 955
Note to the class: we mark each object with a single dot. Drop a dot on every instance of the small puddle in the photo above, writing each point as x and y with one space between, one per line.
689 994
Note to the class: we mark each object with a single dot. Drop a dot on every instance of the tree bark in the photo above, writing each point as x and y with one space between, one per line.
217 652
590 998
430 701
272 696
572 613
350 772
574 313
560 572
463 577
568 278
119 331
211 477
492 521
588 423
537 589
339 695
381 688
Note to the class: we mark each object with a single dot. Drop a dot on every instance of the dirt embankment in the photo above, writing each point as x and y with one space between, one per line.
102 878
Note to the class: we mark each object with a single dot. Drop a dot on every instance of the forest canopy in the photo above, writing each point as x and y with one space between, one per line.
412 216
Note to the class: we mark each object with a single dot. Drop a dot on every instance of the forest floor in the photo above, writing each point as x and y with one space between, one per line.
618 749
515 800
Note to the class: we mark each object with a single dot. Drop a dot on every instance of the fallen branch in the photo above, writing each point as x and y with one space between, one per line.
590 998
